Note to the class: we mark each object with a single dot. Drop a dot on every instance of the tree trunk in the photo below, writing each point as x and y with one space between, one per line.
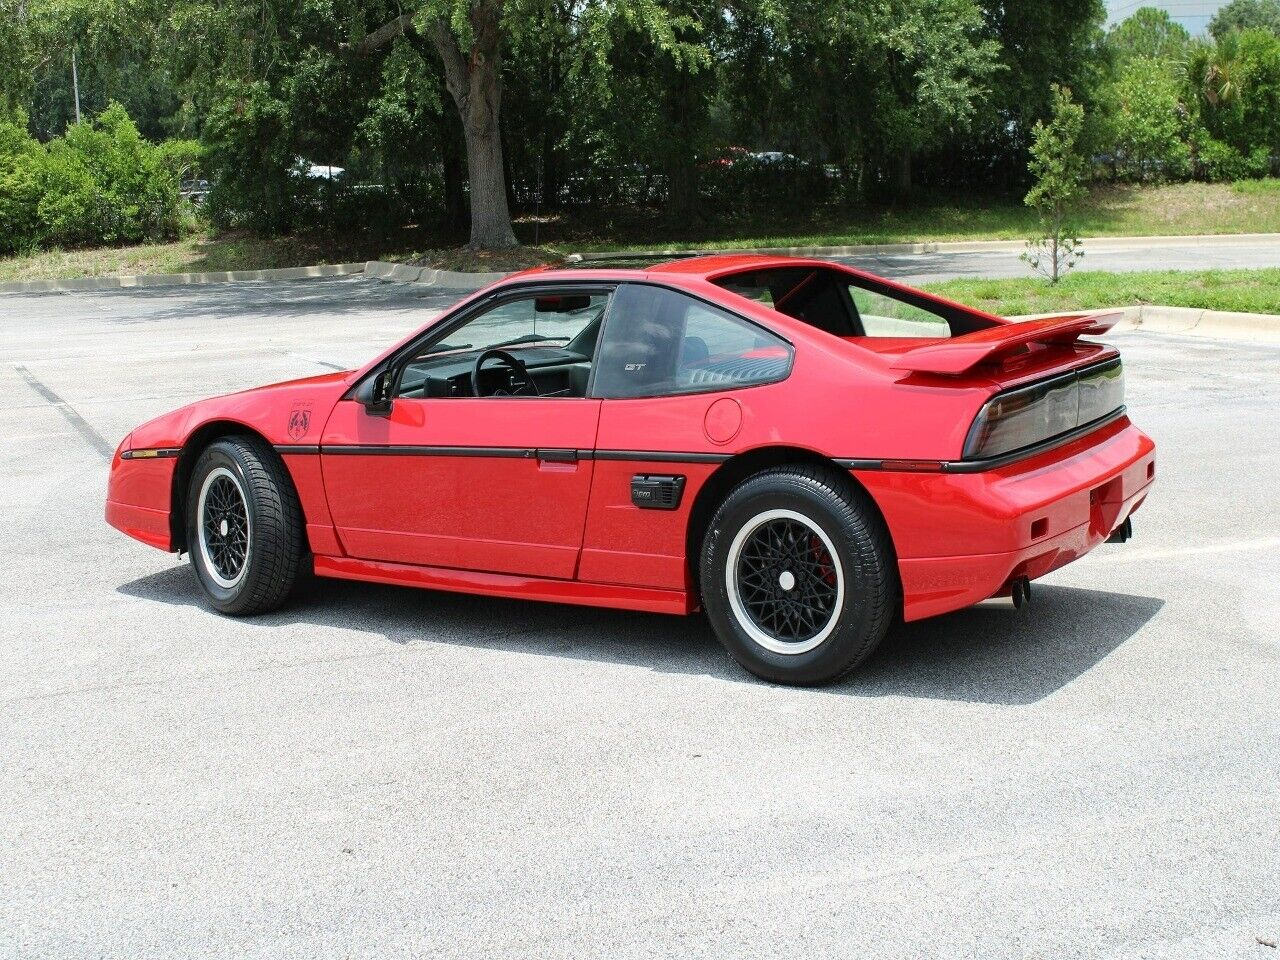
474 79
681 166
453 165
902 175
490 215
475 83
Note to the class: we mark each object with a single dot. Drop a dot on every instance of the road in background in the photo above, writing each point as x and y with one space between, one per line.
1193 254
379 772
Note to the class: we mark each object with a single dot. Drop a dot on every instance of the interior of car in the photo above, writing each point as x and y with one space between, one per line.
547 353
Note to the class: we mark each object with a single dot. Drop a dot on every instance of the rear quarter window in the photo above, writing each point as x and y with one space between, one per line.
660 342
884 316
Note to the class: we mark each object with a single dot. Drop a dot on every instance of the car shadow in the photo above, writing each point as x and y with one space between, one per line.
991 655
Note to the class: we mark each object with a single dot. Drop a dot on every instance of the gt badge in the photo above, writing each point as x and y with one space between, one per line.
299 422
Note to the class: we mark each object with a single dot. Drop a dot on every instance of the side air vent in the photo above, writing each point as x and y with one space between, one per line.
650 492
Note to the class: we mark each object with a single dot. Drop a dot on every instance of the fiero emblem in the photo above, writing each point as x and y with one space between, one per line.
299 422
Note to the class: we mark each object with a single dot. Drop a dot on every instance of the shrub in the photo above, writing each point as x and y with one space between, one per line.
1149 123
20 160
1220 162
250 160
184 159
101 183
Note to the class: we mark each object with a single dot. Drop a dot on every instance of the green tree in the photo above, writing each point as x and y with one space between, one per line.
1149 32
1058 169
1246 15
1149 122
1042 42
1235 88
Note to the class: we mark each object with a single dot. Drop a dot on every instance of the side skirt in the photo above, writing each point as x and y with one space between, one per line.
505 585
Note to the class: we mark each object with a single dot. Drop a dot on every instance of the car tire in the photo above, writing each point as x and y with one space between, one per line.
798 575
244 527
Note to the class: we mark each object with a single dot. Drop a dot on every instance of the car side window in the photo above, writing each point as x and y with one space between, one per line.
659 342
552 334
885 316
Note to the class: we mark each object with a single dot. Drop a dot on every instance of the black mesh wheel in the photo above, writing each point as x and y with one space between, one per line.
244 526
798 574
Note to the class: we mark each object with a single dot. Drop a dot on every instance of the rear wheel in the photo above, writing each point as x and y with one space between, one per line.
798 577
244 527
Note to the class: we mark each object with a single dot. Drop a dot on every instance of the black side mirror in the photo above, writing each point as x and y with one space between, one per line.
376 393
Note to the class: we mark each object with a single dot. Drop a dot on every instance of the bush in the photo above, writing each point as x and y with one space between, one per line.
1149 123
101 183
1220 162
250 160
20 160
184 159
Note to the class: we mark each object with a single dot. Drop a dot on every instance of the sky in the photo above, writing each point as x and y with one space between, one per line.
1192 14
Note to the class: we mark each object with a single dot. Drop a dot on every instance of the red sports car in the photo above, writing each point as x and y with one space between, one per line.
802 450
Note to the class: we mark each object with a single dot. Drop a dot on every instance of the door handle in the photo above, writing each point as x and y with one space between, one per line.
557 456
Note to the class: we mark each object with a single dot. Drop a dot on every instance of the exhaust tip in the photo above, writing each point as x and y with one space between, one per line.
1020 593
1122 533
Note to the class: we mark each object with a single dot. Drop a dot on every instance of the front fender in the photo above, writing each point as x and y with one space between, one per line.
147 482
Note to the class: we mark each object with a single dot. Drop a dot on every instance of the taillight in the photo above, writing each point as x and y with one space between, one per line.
1031 415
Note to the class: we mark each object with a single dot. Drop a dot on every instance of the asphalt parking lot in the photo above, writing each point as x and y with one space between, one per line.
377 772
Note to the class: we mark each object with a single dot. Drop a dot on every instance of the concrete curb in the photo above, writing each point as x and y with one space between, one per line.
961 246
429 276
1190 321
180 279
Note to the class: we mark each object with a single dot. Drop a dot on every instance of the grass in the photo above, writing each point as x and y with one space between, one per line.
1119 210
1245 291
206 252
1177 209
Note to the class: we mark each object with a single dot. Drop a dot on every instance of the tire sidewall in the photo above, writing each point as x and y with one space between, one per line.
821 507
222 454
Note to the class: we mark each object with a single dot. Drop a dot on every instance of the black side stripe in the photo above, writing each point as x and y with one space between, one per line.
661 456
517 453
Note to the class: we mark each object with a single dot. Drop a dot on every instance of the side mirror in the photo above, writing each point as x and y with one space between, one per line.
376 393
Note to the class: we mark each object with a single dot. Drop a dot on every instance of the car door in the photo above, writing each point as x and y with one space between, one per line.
680 381
496 483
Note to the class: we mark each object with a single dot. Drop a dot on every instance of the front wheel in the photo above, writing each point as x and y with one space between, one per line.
244 527
798 575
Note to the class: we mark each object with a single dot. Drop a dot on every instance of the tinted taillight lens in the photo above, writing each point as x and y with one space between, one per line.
1031 415
1101 391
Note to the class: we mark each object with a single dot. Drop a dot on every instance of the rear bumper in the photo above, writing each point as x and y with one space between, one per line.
962 538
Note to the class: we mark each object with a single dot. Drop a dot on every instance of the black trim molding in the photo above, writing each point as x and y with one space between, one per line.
557 454
413 450
659 456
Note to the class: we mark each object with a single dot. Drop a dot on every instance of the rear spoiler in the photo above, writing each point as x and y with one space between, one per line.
961 354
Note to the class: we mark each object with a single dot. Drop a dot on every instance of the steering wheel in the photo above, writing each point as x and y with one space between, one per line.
521 382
